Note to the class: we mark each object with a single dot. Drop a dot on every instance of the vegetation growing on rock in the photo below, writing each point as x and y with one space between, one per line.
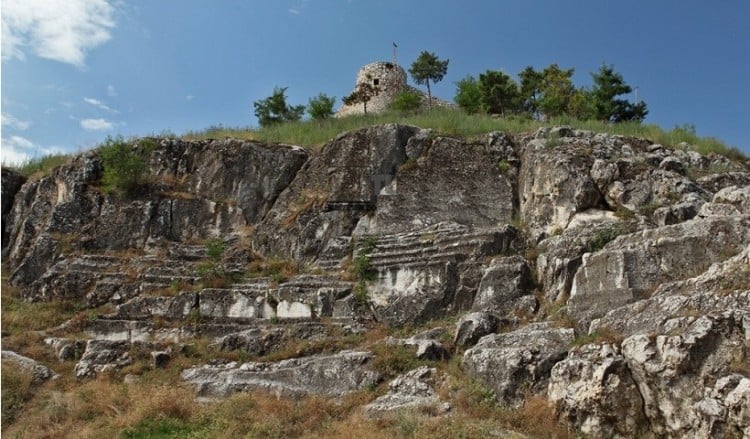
512 279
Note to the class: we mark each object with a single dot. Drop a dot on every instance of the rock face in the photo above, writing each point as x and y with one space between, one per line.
334 190
203 189
632 266
11 184
604 273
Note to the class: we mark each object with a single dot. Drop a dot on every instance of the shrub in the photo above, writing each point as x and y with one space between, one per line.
274 109
321 107
407 101
124 167
215 249
602 237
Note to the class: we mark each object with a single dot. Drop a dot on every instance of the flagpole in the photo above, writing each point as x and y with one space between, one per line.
395 57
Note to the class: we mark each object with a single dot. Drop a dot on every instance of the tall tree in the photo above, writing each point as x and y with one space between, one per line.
499 93
274 109
608 85
321 107
428 67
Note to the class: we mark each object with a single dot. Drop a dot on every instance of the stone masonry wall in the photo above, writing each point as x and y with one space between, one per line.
388 77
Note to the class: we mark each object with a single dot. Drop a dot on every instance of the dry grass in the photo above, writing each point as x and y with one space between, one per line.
603 335
278 270
310 198
16 390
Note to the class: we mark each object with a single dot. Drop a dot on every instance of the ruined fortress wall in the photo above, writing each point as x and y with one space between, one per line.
388 77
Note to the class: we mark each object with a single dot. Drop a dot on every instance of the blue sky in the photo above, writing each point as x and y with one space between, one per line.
75 71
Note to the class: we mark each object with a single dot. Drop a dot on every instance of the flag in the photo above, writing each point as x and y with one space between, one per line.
394 45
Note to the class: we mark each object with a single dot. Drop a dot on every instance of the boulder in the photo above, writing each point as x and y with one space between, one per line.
593 391
517 363
39 372
506 280
473 326
102 355
329 375
414 390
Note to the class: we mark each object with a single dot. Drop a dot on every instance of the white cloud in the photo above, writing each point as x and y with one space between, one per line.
18 142
96 124
60 30
189 98
294 11
17 150
11 121
111 92
98 104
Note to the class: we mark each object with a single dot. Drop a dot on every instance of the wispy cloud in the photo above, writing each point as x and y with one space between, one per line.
189 98
11 121
99 104
60 30
111 92
96 124
17 150
298 7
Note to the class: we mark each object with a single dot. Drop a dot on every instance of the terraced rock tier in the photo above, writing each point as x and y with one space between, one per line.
431 273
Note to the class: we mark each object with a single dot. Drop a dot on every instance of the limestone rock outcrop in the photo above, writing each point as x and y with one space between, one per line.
605 273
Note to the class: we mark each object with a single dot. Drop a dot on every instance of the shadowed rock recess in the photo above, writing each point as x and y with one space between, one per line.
606 274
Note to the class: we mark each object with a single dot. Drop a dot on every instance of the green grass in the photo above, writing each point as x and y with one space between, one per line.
452 122
40 165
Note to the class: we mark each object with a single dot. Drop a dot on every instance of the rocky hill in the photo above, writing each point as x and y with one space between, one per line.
606 276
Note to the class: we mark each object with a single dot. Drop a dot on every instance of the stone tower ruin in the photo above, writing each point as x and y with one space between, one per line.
390 80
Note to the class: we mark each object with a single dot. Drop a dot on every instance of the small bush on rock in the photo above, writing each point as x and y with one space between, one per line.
124 167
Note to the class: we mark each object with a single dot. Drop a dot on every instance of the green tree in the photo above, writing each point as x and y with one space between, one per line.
362 94
407 101
124 166
581 105
321 107
428 67
499 93
274 109
468 96
557 89
608 85
530 90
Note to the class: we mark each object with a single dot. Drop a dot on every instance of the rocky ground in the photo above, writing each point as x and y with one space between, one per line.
604 278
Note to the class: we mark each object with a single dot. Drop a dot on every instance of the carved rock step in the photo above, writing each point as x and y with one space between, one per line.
95 263
449 248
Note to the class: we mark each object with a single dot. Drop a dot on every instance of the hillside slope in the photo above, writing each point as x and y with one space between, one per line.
603 275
